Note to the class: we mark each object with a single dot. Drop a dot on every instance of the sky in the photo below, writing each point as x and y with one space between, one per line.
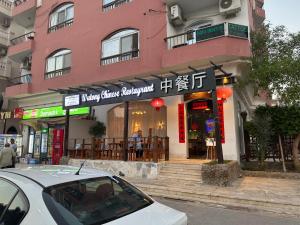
284 12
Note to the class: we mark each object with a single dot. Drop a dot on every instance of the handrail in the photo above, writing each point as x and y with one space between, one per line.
120 57
6 3
19 39
61 25
26 80
114 4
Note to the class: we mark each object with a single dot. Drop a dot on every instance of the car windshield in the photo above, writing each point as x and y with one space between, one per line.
93 201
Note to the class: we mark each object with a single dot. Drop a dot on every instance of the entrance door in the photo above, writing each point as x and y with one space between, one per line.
57 146
198 112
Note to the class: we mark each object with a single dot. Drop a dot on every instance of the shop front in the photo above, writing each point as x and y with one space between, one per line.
184 124
43 131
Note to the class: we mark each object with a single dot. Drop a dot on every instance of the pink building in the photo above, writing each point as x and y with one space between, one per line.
84 46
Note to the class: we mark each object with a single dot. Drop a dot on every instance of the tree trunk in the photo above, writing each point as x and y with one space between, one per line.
282 154
296 153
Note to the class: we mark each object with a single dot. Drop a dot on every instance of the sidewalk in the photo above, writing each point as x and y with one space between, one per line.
253 193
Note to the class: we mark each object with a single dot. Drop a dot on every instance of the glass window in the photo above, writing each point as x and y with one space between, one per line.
62 14
122 42
7 193
59 61
94 201
16 211
142 116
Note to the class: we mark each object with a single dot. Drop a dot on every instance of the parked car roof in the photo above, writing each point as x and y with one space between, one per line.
47 175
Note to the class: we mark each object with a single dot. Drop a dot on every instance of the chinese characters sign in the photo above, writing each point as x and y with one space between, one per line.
221 120
181 126
147 89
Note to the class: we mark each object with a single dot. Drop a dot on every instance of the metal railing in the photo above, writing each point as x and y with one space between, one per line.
24 79
22 38
57 73
120 57
114 4
4 37
149 149
56 27
6 4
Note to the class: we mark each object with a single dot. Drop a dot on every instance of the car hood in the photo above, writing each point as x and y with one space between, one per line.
155 214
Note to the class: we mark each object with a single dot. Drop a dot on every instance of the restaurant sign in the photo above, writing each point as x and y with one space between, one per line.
144 89
16 114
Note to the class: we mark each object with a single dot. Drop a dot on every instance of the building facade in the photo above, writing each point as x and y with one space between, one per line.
74 45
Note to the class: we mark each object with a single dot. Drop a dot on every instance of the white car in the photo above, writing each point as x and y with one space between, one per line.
55 195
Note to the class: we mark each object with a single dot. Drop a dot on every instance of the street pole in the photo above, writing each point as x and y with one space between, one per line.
66 141
125 134
217 127
4 126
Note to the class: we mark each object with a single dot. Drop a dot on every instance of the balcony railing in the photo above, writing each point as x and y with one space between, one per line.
22 38
57 73
66 23
120 57
24 79
4 37
6 4
207 33
114 4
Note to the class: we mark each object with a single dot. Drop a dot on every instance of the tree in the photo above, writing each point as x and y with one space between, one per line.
276 69
276 63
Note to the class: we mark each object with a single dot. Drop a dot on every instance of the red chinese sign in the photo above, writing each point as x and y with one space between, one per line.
199 105
181 126
221 120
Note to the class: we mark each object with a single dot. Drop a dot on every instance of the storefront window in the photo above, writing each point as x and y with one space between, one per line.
142 116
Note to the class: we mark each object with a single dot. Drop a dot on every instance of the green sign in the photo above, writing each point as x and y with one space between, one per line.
237 30
210 32
55 111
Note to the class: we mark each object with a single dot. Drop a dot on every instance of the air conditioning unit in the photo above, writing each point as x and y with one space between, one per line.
229 7
6 22
175 15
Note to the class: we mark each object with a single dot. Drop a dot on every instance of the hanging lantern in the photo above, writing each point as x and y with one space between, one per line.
157 103
224 92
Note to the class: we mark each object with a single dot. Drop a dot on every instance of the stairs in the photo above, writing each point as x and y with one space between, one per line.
182 181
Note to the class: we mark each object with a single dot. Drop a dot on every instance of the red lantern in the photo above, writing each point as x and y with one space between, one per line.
224 92
157 103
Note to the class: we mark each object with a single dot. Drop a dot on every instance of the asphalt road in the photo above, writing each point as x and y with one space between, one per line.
201 214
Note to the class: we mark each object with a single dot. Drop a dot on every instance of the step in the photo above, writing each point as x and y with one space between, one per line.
209 197
184 173
182 166
180 177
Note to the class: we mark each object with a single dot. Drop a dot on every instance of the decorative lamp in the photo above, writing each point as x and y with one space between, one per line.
224 92
157 103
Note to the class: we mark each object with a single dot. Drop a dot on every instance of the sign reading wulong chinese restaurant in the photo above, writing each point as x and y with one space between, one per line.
144 89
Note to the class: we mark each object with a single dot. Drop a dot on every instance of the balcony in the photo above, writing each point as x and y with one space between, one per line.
57 73
60 25
226 41
120 57
19 86
21 46
5 69
114 4
6 7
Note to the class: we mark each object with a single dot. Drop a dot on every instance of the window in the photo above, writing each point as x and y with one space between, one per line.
58 64
121 46
61 17
93 201
110 4
142 116
13 204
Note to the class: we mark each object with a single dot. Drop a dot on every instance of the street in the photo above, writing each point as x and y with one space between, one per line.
201 214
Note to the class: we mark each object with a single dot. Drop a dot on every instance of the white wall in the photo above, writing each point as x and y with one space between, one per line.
177 150
80 128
